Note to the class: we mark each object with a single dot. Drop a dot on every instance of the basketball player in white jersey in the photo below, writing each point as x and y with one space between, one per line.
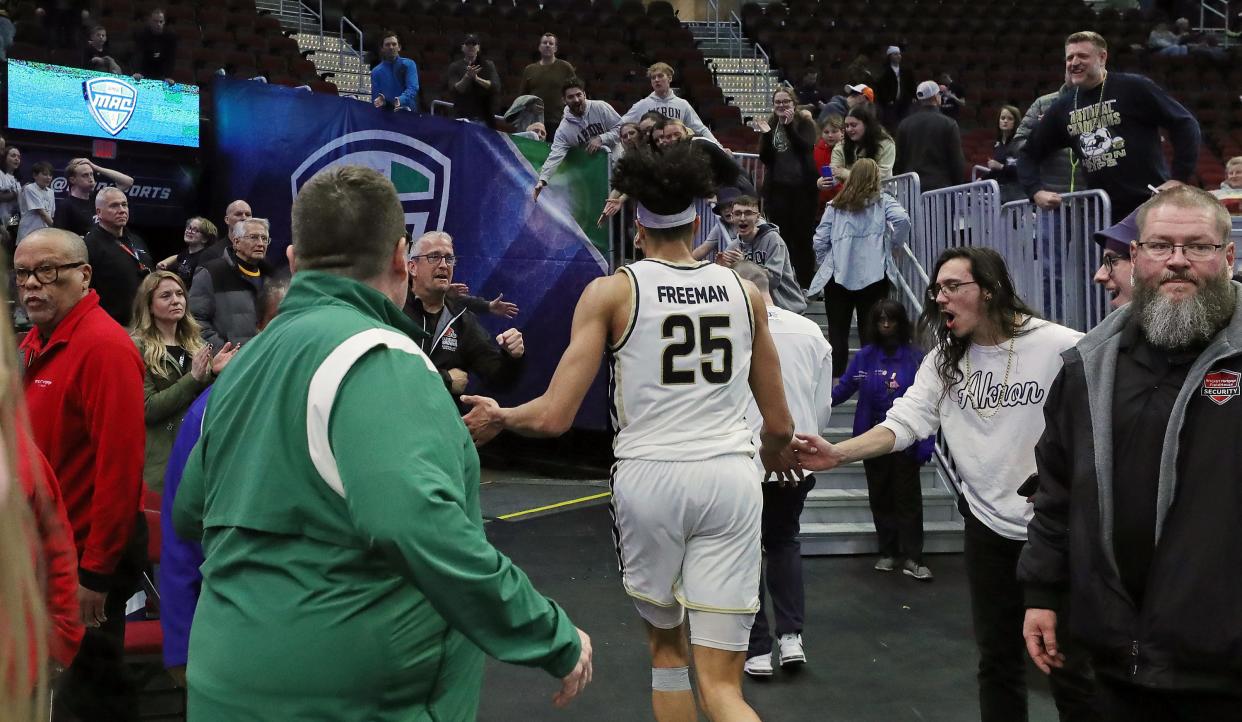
688 344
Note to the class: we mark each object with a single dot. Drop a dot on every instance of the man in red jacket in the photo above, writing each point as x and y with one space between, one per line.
83 384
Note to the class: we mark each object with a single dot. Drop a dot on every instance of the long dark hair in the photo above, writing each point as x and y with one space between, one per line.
869 146
895 312
1002 306
1001 138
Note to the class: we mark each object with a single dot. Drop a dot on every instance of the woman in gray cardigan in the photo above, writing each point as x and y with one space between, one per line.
179 365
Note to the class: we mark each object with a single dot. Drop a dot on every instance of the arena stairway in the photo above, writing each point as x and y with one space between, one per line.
330 53
836 518
743 76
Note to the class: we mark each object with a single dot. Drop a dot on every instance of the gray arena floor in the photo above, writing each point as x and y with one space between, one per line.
880 647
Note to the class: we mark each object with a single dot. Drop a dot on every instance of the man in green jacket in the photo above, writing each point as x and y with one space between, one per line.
347 575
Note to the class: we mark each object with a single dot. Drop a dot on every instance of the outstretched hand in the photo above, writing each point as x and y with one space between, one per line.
484 420
498 306
781 463
816 454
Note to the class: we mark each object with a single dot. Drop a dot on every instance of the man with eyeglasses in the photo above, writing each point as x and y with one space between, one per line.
1139 509
82 378
759 241
1115 268
456 342
76 212
224 295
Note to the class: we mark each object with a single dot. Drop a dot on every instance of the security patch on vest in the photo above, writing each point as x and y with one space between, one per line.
1222 385
449 341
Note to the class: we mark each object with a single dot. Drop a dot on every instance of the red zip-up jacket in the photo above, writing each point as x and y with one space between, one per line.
57 558
84 393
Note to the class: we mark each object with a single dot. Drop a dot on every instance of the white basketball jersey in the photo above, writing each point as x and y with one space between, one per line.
680 372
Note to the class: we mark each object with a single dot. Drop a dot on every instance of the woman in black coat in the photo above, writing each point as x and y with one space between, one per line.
789 191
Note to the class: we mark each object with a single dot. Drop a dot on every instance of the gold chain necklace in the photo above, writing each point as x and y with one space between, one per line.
1005 384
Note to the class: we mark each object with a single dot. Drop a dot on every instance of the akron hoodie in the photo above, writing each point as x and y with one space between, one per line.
578 130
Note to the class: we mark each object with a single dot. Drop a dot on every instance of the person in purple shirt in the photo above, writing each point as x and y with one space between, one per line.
879 373
179 577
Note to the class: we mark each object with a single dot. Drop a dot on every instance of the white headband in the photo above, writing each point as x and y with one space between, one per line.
651 219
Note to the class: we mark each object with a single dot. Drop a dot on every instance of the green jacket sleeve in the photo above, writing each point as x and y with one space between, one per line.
411 486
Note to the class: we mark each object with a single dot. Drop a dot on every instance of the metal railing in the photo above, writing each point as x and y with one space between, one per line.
1052 256
1216 9
751 164
962 215
908 191
303 11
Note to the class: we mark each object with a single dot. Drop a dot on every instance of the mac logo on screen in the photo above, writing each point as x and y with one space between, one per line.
111 102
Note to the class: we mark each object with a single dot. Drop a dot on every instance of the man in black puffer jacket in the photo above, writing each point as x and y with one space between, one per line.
1138 512
225 293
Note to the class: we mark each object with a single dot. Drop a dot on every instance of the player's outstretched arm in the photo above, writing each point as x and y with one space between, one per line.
552 413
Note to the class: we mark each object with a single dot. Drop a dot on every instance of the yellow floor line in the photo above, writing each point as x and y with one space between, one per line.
557 505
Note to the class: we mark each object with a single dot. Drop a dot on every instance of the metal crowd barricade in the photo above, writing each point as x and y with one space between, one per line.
908 191
750 163
962 215
1052 256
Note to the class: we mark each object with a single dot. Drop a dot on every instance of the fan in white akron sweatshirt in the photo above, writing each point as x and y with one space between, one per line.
583 122
663 101
991 419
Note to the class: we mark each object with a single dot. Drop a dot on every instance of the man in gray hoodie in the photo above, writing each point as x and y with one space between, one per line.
761 242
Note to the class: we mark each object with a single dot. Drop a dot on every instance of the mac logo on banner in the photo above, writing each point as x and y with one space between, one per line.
111 102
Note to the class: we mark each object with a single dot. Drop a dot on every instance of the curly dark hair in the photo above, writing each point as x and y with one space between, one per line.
664 182
1002 306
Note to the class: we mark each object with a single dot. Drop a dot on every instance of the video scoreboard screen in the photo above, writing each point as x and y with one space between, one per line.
59 99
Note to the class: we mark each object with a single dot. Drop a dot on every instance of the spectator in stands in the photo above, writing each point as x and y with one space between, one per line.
63 21
1163 41
830 134
155 49
760 242
96 55
987 379
8 31
534 131
856 95
786 150
631 136
853 245
1003 165
894 89
455 341
1135 514
859 70
952 97
1058 171
199 234
930 143
237 211
864 138
38 202
726 171
83 384
722 235
394 81
1112 121
1233 178
224 297
806 375
118 256
663 101
880 373
810 92
546 79
76 213
648 123
178 365
180 559
10 189
525 110
473 84
587 125
1116 271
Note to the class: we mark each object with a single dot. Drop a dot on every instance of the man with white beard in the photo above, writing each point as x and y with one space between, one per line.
1138 515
